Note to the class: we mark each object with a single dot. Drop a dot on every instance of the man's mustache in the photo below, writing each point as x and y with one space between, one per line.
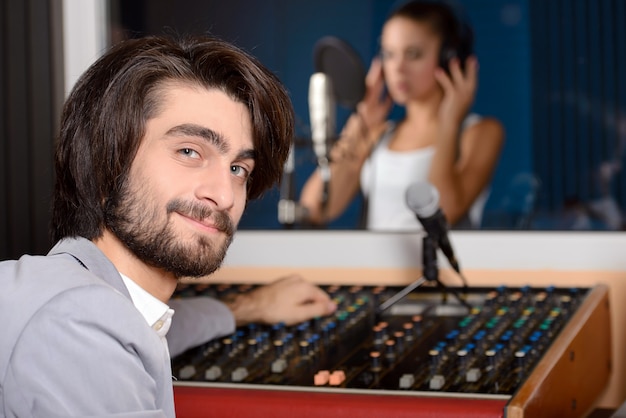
201 213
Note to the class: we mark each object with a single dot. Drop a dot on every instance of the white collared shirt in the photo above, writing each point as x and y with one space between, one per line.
156 313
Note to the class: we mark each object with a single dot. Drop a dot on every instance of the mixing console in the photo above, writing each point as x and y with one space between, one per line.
427 342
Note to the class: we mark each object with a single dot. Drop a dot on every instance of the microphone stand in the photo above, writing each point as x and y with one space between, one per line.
324 167
289 211
430 273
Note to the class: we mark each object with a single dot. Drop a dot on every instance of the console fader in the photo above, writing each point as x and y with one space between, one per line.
426 345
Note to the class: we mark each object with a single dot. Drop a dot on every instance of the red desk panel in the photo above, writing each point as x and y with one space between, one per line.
196 402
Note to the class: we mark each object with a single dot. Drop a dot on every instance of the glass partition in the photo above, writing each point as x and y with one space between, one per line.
550 71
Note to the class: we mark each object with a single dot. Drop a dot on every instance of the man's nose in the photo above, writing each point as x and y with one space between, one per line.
217 187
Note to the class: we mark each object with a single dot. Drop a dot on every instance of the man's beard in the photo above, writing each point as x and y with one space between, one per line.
135 220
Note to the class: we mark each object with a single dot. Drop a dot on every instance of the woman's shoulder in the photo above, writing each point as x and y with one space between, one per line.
483 125
471 119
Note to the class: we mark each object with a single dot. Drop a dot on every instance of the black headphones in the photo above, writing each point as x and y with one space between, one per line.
458 41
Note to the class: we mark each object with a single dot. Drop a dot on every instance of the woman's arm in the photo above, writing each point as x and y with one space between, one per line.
346 160
361 132
466 177
462 168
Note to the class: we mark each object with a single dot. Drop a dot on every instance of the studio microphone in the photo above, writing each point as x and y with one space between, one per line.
322 114
423 199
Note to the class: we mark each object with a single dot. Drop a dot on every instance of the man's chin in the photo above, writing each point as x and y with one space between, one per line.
197 255
218 242
194 265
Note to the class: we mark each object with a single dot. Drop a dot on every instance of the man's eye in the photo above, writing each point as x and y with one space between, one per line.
188 152
239 171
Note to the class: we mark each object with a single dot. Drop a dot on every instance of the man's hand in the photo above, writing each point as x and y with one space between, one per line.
290 300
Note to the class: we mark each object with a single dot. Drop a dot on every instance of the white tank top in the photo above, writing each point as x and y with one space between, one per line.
387 174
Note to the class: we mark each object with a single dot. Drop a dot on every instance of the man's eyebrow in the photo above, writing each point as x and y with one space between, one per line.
190 129
246 154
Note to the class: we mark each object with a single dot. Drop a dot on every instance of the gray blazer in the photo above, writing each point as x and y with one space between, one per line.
73 343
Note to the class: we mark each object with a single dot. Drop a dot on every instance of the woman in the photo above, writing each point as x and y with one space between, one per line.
437 140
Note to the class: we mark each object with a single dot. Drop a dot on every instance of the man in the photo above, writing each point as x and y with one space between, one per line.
161 144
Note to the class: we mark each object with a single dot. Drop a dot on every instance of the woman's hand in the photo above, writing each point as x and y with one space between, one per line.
365 127
459 89
376 105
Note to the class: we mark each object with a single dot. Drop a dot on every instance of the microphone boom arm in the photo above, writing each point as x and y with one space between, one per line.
430 273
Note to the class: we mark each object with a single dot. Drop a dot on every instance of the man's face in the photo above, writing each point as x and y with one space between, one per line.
186 190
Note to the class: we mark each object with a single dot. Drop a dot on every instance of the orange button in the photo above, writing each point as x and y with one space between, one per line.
337 377
321 378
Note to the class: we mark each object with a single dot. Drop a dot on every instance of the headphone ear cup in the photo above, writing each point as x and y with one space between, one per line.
460 43
447 53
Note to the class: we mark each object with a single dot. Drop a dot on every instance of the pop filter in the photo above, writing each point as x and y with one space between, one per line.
337 59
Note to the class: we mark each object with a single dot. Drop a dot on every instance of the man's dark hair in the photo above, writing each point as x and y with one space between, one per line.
104 119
